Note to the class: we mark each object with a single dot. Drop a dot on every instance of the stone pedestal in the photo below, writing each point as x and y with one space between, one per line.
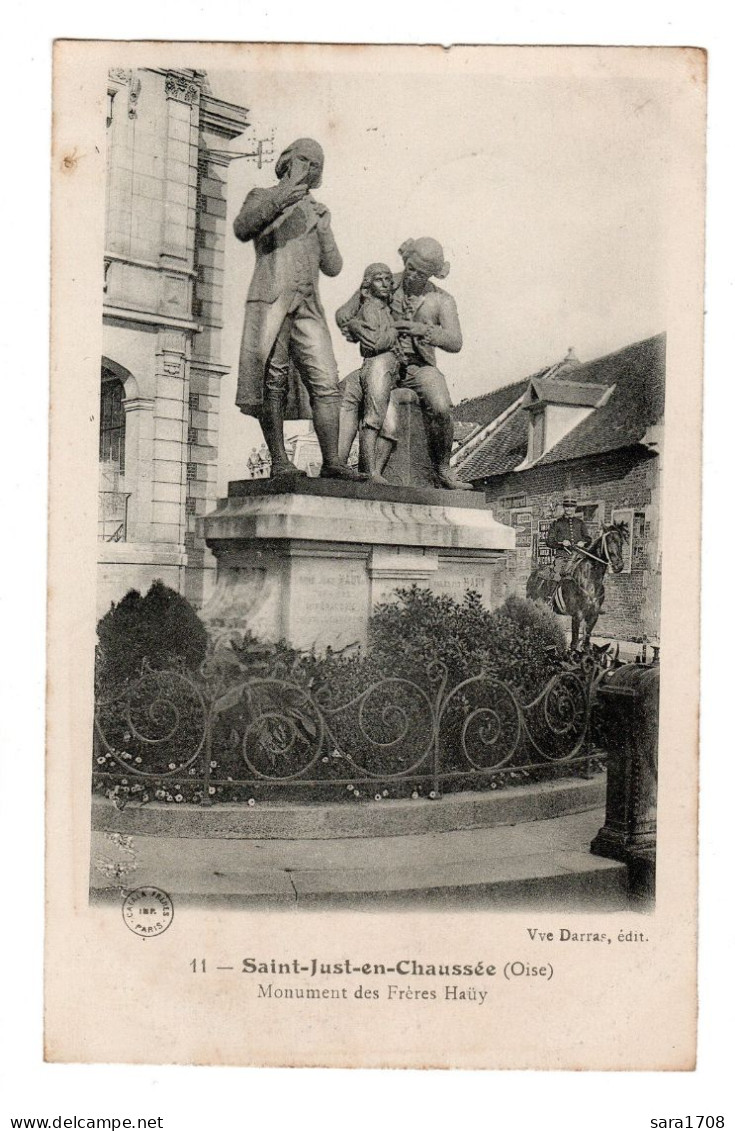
629 704
307 560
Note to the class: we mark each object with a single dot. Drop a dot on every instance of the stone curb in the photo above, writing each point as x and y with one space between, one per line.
454 812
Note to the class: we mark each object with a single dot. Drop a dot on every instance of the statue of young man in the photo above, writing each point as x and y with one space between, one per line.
285 325
425 318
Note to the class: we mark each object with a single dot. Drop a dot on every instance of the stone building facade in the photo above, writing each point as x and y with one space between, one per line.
168 155
594 431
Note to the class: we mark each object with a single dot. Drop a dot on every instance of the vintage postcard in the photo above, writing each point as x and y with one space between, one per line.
374 555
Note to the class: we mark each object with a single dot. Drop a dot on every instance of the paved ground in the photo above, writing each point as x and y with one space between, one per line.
535 864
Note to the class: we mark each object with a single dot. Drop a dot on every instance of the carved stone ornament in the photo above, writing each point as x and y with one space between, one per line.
181 89
119 74
172 367
133 97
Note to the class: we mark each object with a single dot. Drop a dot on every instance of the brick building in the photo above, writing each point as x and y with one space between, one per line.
592 430
167 161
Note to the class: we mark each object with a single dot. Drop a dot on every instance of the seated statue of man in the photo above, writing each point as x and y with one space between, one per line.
425 318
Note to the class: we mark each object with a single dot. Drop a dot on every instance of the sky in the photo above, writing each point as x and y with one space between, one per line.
547 191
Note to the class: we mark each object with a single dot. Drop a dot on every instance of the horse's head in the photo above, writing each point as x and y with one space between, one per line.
614 538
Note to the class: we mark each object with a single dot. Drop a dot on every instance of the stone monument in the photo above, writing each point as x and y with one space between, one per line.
307 560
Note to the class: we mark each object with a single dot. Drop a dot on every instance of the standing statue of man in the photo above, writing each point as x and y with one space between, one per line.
425 318
285 326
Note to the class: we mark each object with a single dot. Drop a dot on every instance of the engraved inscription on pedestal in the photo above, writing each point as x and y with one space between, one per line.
457 574
328 600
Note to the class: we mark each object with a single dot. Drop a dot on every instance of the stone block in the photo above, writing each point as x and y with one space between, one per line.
199 381
147 187
175 216
207 472
215 207
167 513
166 531
172 410
214 187
308 561
207 438
200 453
179 129
209 294
177 172
149 165
199 420
209 223
167 471
177 193
198 489
177 153
167 429
171 450
170 387
209 257
179 111
164 492
210 317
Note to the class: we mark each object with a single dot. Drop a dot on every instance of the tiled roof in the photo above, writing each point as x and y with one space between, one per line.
481 410
634 405
501 452
638 373
464 429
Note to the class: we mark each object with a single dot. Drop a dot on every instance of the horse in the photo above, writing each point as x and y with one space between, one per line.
580 593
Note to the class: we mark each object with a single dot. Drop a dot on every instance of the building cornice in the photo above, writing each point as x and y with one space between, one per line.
128 314
224 119
114 257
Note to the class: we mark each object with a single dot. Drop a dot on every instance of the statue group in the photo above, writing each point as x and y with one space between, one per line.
287 365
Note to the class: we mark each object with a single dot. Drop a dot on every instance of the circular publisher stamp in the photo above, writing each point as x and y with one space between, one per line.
147 911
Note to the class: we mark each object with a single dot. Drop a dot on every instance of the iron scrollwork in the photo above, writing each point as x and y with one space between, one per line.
278 729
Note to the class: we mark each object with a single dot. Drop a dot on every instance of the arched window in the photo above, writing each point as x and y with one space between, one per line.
112 421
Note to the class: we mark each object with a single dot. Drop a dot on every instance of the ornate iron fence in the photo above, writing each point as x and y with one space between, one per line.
176 735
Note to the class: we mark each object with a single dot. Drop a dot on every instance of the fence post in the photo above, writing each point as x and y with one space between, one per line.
206 799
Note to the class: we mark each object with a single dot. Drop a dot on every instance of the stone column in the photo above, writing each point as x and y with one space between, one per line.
139 467
170 436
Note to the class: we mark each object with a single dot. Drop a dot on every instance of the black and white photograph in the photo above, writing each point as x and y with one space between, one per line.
374 477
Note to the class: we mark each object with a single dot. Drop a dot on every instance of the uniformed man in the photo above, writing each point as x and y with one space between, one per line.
566 534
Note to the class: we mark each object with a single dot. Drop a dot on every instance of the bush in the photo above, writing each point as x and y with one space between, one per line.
520 643
161 628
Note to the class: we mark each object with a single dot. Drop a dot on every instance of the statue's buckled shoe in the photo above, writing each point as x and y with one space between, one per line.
342 471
